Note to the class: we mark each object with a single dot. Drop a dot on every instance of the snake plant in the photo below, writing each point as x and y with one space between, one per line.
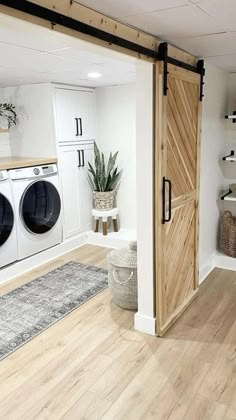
8 112
103 176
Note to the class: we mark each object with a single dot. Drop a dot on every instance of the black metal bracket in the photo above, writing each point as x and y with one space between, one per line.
202 72
163 53
228 156
163 56
233 119
225 195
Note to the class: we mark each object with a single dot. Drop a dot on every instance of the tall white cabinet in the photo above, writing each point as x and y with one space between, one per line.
77 194
75 134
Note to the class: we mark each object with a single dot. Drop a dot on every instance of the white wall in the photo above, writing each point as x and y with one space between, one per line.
34 133
116 130
4 145
211 175
4 137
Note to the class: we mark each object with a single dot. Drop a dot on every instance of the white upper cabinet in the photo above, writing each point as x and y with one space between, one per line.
65 111
75 115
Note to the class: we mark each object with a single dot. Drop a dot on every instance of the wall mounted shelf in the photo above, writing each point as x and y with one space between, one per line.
4 130
229 196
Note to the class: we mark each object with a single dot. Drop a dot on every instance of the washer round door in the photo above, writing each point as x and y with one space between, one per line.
40 207
6 219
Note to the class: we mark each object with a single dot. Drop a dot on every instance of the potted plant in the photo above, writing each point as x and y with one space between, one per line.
8 114
103 179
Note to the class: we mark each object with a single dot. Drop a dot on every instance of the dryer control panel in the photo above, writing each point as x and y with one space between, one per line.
33 172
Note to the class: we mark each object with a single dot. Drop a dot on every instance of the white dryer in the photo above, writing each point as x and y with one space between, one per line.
8 245
37 205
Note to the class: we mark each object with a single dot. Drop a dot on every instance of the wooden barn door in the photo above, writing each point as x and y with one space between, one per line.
176 193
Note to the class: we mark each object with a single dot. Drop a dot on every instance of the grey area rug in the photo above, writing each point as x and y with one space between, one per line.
30 309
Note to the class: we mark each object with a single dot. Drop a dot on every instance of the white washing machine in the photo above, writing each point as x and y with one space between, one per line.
8 244
37 206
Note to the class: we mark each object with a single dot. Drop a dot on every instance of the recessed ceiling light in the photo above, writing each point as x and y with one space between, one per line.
94 75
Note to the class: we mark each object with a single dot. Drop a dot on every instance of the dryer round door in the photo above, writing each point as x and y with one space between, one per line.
6 219
40 207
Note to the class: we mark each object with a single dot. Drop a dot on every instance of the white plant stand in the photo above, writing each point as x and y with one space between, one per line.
104 215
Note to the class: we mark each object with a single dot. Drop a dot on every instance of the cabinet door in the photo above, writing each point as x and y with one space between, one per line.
69 173
86 194
85 113
66 123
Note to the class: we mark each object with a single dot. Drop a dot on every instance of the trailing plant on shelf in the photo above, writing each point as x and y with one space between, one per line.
7 112
103 178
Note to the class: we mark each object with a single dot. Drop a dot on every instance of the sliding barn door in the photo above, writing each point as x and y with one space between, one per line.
176 192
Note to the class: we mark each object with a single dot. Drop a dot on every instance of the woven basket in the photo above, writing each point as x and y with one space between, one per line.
103 200
228 234
122 276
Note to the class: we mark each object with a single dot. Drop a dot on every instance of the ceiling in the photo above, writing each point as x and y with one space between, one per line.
32 54
205 28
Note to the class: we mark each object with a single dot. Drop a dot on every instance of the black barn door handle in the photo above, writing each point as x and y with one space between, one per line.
168 182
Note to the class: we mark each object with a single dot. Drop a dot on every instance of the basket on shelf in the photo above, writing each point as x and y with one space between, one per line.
228 234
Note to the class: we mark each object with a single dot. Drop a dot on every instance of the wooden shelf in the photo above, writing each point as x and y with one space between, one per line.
4 130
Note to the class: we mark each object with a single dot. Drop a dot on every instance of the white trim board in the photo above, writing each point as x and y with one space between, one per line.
145 324
224 262
217 260
206 269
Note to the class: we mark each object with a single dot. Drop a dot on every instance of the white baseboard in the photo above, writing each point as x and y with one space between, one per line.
206 269
113 240
21 267
145 324
225 262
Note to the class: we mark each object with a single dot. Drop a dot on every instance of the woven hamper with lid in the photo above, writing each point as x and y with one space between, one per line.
122 276
228 234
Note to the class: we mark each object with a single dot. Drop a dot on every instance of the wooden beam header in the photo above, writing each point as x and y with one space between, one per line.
85 16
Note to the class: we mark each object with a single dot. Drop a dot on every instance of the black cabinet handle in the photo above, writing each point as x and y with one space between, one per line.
168 182
80 126
82 157
77 127
79 165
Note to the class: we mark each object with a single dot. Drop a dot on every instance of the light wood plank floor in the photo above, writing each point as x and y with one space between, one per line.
93 365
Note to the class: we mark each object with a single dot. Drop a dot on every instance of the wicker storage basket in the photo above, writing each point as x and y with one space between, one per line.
103 200
122 276
228 234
